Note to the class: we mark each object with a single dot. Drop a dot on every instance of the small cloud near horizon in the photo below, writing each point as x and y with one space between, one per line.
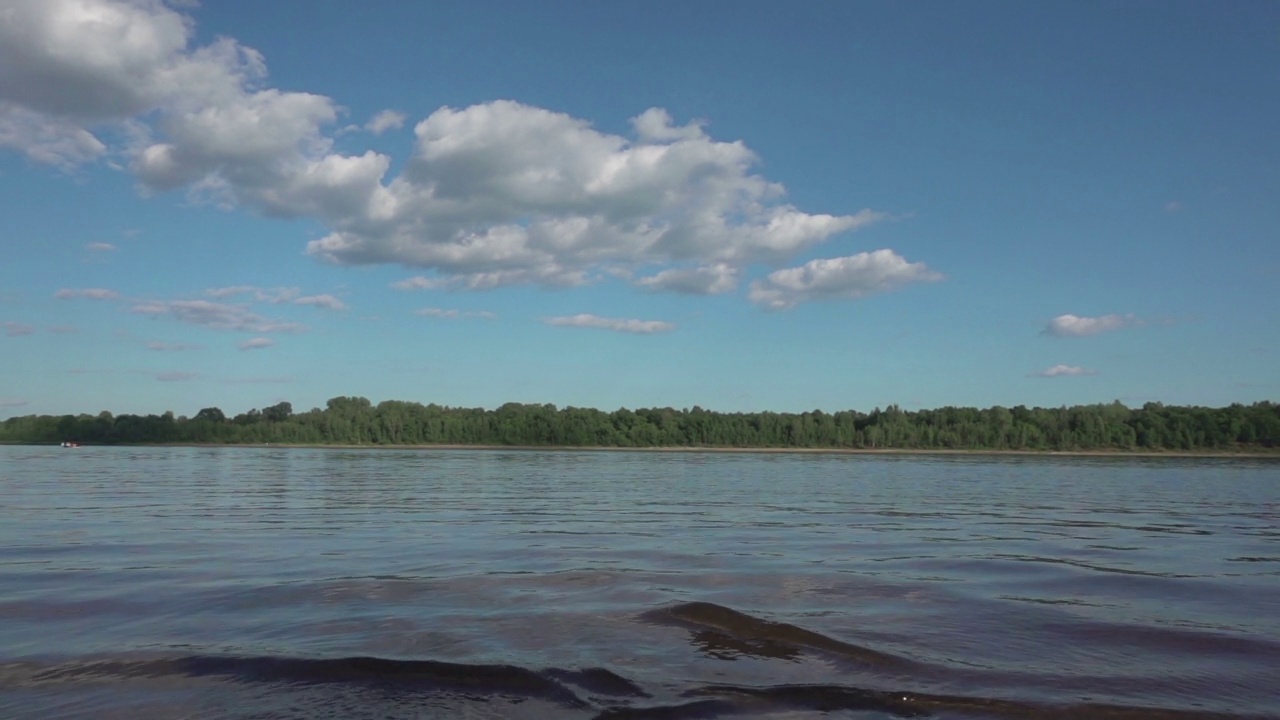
1063 371
88 293
257 343
172 347
454 314
17 329
1076 326
625 325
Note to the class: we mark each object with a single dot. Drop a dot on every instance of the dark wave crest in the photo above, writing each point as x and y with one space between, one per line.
598 692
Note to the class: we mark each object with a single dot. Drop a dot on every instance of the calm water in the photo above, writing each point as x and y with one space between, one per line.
297 583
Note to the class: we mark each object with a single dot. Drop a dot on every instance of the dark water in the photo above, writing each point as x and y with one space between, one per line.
282 583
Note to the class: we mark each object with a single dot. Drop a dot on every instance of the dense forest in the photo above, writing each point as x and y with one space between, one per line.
356 421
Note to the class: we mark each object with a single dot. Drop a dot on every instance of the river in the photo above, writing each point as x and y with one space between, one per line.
280 583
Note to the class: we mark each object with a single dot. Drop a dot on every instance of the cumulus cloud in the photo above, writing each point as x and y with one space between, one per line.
257 343
13 402
220 316
1063 371
436 312
89 293
101 247
1076 326
495 194
16 329
854 276
384 121
503 193
327 302
709 280
586 320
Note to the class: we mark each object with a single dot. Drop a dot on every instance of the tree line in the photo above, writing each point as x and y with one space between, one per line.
356 421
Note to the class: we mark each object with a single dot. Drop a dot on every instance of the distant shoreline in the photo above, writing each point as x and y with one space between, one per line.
1185 454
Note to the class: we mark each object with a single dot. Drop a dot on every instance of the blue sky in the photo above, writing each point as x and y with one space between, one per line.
743 206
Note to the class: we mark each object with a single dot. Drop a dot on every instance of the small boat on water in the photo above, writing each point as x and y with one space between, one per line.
70 445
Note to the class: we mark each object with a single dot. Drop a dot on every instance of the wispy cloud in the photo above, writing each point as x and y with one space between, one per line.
16 329
275 296
384 121
101 247
586 320
63 329
13 402
1063 371
1077 326
88 293
709 280
257 343
172 347
451 313
278 380
219 316
1172 206
851 277
328 302
420 282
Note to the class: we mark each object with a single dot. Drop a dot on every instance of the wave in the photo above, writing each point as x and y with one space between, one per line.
598 692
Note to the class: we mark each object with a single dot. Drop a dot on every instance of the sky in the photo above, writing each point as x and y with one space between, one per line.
741 206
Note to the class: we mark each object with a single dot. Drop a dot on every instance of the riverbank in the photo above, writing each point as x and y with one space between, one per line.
1242 454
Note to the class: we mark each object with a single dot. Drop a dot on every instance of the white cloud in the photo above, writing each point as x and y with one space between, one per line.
1076 326
1063 371
503 193
219 316
849 277
420 282
89 293
47 140
16 329
435 312
495 194
328 302
172 347
585 320
257 343
101 247
1172 206
384 121
13 402
278 296
275 296
63 329
709 280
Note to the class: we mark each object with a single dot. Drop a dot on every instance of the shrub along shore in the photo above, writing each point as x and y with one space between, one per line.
354 421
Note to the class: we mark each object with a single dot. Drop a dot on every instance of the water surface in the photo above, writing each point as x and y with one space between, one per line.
297 583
